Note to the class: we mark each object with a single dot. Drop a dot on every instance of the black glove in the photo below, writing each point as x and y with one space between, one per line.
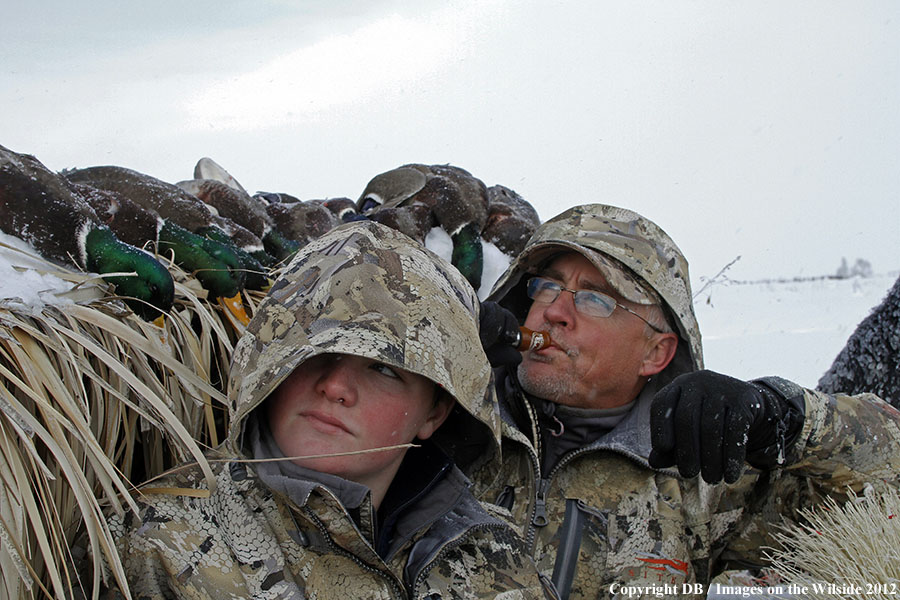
708 423
499 330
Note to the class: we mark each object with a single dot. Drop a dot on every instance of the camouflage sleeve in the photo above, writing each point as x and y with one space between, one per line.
847 441
172 551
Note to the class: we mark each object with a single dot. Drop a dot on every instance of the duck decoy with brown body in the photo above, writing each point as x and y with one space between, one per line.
186 228
250 213
456 199
511 220
42 208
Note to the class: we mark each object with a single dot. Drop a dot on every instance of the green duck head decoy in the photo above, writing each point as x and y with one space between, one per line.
278 246
216 266
236 205
255 274
147 294
42 208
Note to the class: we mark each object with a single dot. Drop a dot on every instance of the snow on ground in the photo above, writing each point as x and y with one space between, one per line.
793 329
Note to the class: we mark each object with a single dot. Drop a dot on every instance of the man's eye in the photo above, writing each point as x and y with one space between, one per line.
385 370
600 301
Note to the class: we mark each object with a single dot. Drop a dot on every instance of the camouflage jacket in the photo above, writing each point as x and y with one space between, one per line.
366 290
246 541
609 523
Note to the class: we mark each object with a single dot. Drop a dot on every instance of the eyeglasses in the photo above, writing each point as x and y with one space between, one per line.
592 304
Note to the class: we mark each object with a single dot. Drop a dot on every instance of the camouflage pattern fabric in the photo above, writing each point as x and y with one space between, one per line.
644 527
622 527
654 266
366 290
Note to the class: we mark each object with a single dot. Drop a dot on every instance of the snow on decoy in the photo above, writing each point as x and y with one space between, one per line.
511 220
42 208
302 221
189 230
458 203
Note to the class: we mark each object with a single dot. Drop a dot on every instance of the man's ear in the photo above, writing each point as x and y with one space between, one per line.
660 352
443 404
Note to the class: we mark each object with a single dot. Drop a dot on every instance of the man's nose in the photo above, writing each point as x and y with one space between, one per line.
561 311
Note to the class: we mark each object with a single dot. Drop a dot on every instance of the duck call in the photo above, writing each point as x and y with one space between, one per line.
528 339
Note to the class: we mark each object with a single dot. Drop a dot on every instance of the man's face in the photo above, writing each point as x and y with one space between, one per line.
340 403
599 361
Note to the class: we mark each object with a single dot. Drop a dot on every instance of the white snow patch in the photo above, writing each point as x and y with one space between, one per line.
24 281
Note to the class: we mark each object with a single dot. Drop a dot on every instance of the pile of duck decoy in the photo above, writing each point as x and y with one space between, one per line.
113 220
92 398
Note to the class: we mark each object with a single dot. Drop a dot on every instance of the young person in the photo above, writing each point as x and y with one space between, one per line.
365 345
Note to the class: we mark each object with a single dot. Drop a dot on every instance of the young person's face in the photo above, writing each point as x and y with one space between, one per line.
340 403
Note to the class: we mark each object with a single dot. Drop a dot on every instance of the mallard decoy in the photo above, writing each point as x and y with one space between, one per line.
457 200
415 220
242 208
230 203
207 168
40 207
249 213
276 198
187 225
133 224
391 188
511 220
343 208
302 221
461 210
138 225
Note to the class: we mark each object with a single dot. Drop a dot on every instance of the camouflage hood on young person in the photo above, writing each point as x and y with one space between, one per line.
367 290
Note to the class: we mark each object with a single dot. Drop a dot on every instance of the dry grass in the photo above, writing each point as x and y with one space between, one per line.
92 399
855 546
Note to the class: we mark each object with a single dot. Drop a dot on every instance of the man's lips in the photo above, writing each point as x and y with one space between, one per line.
555 347
324 423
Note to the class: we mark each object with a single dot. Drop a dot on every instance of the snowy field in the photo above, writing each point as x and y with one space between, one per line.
794 329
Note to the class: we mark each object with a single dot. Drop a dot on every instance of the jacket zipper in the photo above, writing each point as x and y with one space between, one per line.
539 510
395 586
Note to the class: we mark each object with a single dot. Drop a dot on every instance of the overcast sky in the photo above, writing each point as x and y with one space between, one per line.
765 129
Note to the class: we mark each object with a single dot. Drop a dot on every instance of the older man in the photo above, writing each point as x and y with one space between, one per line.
607 429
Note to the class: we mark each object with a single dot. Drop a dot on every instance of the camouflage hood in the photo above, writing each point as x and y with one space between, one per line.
367 290
655 270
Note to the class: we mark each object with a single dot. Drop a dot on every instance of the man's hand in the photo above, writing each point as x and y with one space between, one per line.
704 422
498 329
